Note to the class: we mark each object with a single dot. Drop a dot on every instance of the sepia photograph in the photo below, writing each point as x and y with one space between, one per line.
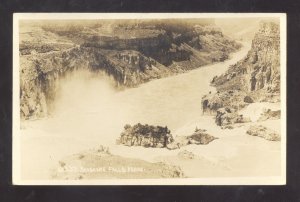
149 99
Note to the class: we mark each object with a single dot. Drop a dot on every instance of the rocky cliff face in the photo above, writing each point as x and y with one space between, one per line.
255 78
260 69
129 54
41 73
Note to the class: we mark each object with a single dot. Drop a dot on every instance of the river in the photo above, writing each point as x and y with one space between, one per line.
91 112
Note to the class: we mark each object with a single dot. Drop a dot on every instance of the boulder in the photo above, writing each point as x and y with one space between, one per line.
264 132
179 141
198 137
227 116
201 137
186 154
270 114
230 127
248 99
173 146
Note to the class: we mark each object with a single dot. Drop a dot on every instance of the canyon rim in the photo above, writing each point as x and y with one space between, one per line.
149 98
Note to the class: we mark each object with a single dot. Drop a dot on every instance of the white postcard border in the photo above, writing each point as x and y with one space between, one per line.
278 180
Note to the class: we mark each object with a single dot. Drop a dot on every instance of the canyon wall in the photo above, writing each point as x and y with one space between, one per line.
130 55
256 78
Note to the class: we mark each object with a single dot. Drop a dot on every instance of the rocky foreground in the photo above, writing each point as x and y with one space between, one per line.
99 163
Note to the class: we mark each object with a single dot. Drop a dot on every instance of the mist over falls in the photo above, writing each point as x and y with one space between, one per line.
78 77
85 104
88 104
81 84
131 53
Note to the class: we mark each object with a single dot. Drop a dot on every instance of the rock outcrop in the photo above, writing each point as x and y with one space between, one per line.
131 53
226 116
261 131
270 114
256 78
160 137
214 101
198 137
146 136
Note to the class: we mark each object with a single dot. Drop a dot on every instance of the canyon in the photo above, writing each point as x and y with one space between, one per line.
196 86
130 53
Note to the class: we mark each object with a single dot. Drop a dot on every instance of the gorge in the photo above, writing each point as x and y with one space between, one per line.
80 90
135 53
